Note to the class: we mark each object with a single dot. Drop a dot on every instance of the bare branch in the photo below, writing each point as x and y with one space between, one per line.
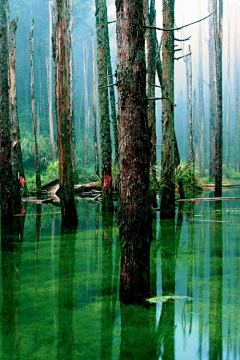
181 27
158 86
180 57
177 50
111 22
176 39
206 83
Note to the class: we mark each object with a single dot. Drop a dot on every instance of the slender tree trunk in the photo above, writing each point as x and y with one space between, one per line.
86 102
34 121
50 90
212 93
236 92
106 151
201 101
5 140
64 110
95 110
134 140
17 163
218 19
228 103
168 138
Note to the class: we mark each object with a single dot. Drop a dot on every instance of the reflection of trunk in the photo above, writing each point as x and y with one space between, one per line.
11 249
218 19
216 296
64 110
86 102
34 121
168 133
212 93
101 28
49 72
95 110
66 293
5 141
17 163
134 146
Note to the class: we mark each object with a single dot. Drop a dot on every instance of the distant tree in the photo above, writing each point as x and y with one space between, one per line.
168 133
102 64
134 143
5 140
86 101
34 121
228 102
63 110
17 161
218 35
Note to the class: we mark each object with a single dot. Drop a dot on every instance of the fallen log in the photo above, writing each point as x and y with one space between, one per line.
209 199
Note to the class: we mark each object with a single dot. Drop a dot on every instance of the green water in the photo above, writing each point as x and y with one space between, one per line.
59 289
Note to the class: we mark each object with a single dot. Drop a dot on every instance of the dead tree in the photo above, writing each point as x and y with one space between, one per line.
34 121
17 162
5 140
63 109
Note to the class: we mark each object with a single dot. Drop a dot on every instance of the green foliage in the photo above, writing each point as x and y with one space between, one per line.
187 178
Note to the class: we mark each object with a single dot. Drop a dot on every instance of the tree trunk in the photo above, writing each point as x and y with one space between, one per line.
212 94
218 18
95 110
228 103
64 110
168 133
50 91
34 122
134 143
5 140
17 163
86 102
106 150
201 103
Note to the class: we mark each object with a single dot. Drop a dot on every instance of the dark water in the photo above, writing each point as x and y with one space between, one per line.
59 288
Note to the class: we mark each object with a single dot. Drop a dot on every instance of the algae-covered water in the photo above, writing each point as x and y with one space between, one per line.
59 288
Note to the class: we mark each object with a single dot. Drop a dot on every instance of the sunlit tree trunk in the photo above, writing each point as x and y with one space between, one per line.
134 140
201 102
168 139
17 163
218 19
63 110
102 64
86 102
5 140
212 93
34 121
50 91
95 110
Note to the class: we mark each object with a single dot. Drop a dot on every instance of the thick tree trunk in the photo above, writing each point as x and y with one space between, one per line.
228 104
64 110
50 90
134 145
17 163
34 122
95 110
218 19
212 94
5 140
106 150
86 102
168 133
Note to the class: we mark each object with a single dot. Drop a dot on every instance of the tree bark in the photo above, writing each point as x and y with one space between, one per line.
64 110
50 91
228 103
34 122
168 138
95 110
5 140
212 93
218 19
17 162
134 140
102 64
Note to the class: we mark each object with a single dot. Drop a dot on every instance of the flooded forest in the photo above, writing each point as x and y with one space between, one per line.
120 179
